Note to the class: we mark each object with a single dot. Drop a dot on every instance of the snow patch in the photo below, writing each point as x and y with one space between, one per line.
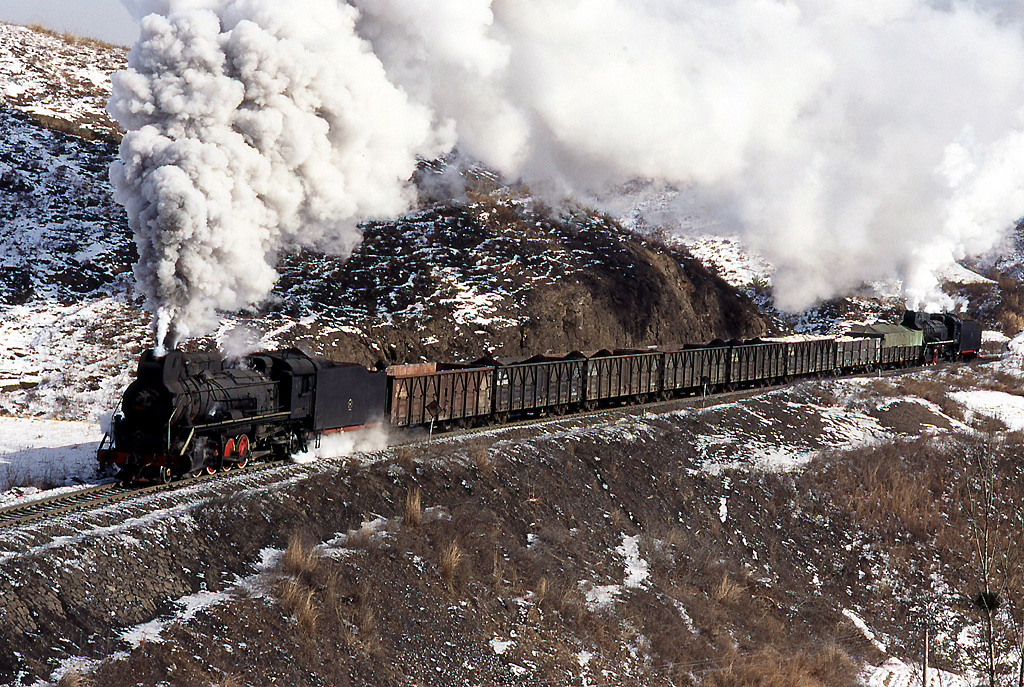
40 453
190 606
865 630
896 673
1007 408
637 570
602 596
500 646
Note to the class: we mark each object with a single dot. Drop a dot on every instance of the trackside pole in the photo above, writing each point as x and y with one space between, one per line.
924 663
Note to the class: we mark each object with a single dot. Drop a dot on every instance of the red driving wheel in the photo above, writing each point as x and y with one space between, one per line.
229 452
242 450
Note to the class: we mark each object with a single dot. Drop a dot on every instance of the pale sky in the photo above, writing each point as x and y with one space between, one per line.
106 20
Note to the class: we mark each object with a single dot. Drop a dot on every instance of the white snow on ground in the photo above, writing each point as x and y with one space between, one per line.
863 627
637 570
1007 408
896 673
32 62
601 596
1013 358
990 336
44 453
733 261
635 573
472 307
55 363
500 646
190 606
958 274
843 427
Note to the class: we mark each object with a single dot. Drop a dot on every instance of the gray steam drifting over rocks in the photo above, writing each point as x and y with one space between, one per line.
847 140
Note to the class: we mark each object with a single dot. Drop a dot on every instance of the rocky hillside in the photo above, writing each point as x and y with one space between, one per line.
795 538
63 81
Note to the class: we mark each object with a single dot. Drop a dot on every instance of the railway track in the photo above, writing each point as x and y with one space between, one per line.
105 494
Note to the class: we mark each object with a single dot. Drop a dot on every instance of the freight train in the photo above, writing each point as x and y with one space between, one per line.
188 413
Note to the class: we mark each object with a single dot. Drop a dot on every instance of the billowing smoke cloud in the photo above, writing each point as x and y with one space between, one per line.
848 140
253 126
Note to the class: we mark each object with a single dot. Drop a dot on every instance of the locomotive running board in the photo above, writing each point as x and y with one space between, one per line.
227 424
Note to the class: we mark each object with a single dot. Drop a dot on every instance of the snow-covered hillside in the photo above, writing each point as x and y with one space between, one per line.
59 80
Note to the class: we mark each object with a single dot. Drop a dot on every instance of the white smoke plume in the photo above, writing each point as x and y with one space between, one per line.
848 140
253 126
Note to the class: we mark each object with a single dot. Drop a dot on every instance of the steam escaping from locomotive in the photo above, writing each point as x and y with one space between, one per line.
253 126
846 140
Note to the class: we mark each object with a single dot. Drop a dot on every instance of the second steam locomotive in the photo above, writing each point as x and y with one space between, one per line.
186 413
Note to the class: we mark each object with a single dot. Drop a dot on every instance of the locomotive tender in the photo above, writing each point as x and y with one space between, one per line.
186 413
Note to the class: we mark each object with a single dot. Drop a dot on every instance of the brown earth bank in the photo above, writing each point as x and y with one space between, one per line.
610 553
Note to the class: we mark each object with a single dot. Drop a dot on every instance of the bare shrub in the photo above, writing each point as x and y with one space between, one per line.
498 569
1010 310
728 591
542 590
229 680
300 558
298 600
367 620
452 556
406 458
481 458
413 514
74 678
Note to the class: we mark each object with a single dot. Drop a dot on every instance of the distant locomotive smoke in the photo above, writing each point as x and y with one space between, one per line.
849 140
253 126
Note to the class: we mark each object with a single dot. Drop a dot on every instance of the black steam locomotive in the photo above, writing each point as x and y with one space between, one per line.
191 412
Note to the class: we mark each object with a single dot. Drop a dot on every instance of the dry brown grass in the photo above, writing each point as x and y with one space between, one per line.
1010 310
830 667
69 37
541 592
298 600
728 591
300 558
451 558
413 512
406 458
74 678
935 391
